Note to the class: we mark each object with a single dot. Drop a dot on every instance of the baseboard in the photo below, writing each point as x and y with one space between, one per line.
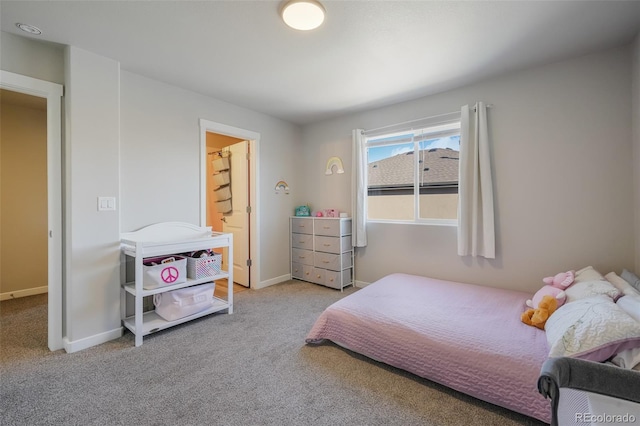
87 342
361 284
23 293
273 281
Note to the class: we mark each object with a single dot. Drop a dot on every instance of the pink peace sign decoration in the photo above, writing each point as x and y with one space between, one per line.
169 275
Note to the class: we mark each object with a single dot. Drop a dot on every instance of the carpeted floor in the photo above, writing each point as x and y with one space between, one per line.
249 368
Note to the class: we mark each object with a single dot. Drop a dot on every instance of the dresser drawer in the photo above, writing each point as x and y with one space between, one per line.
302 241
302 225
332 261
317 275
332 278
302 256
300 271
332 244
332 227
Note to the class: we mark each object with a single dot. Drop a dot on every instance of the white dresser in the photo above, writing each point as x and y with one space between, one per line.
321 251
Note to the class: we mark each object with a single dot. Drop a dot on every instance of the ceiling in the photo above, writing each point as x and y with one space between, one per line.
367 54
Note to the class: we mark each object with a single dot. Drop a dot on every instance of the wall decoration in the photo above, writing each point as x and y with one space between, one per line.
334 161
282 186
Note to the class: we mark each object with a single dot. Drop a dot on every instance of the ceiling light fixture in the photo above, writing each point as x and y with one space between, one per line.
29 28
303 14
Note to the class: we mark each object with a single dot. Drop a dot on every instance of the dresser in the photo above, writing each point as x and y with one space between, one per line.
321 251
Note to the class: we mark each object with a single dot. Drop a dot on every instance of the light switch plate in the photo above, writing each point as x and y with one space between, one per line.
106 203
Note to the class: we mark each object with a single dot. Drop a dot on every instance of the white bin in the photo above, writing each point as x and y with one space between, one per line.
176 304
168 270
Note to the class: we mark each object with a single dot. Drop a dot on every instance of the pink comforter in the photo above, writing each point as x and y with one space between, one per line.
464 336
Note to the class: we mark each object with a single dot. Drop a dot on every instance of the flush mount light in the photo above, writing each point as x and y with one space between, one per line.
302 14
29 29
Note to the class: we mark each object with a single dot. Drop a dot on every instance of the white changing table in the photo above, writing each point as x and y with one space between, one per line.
164 239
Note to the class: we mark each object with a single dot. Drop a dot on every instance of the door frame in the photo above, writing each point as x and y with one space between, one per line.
52 92
254 193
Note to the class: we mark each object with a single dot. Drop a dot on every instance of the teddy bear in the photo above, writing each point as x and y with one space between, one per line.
538 317
554 287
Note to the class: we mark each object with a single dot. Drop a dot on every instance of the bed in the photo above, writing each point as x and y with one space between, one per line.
470 338
464 336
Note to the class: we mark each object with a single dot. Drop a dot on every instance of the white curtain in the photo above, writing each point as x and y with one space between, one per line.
359 189
476 229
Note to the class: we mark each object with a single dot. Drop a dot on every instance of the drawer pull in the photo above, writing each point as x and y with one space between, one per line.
325 261
327 245
301 257
331 279
319 276
326 227
306 273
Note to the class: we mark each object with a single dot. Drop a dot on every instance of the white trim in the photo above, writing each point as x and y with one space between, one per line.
254 185
361 284
52 92
23 293
87 342
273 281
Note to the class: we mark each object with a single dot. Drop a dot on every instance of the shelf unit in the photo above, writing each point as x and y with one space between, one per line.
321 251
165 239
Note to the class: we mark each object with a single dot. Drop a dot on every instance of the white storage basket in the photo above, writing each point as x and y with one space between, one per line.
176 304
163 271
202 267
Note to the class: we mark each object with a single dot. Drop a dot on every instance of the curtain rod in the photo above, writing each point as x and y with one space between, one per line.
418 119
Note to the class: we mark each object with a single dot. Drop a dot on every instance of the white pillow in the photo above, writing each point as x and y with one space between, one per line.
584 289
593 328
588 274
631 305
627 359
621 284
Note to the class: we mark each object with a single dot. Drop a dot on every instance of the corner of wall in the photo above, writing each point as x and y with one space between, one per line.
635 114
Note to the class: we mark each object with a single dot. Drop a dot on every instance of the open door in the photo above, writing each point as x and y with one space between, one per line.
53 93
237 221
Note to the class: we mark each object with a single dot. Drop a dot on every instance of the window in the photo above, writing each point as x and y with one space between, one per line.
413 175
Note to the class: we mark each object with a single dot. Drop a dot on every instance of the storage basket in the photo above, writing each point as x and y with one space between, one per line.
223 206
202 267
221 178
221 163
176 304
164 270
222 193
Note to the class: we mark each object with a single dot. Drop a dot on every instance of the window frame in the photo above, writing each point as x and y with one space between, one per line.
419 134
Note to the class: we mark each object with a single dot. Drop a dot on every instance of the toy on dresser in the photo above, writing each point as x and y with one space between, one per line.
327 213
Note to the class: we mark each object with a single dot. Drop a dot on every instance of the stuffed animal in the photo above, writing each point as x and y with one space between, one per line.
554 287
538 317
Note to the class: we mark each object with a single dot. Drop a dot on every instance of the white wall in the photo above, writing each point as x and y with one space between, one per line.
160 162
562 168
636 143
33 58
92 284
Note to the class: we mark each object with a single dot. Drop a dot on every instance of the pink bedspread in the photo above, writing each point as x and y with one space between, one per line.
464 336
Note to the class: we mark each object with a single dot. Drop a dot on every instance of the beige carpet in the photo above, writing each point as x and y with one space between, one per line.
249 368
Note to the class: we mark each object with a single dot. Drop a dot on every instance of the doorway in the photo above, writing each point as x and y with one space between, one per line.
16 85
229 196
